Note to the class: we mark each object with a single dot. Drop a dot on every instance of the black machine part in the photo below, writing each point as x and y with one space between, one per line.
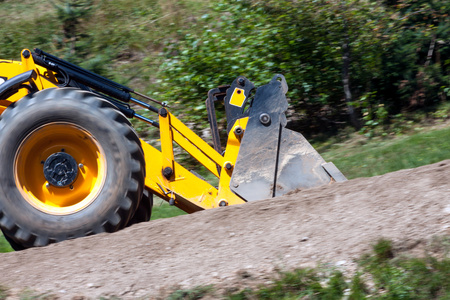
273 160
74 76
12 85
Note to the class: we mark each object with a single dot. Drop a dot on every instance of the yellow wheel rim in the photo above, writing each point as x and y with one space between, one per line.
45 141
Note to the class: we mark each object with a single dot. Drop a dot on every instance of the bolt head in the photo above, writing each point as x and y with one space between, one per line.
167 172
238 130
163 112
26 53
264 118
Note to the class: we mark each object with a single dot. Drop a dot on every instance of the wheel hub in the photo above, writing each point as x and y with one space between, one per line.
60 169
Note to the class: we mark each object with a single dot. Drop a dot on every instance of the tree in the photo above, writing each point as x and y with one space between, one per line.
70 13
308 41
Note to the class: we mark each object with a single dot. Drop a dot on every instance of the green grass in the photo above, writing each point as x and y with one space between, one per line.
405 277
192 294
4 245
299 284
380 275
378 156
161 209
3 292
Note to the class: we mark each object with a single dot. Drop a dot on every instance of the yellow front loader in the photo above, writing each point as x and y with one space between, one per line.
72 165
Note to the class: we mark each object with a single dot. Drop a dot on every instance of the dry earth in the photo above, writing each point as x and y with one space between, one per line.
244 244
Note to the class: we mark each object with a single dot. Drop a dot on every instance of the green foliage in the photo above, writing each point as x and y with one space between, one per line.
110 298
399 53
301 39
442 112
29 294
192 294
336 286
299 284
393 64
3 293
358 289
383 251
391 278
4 245
25 33
407 278
71 13
415 63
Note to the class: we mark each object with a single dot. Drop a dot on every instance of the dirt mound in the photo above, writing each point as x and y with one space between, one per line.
332 225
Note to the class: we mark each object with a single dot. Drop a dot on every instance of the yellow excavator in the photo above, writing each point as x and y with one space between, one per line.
72 164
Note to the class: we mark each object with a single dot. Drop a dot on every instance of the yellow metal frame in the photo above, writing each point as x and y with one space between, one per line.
10 68
164 176
185 189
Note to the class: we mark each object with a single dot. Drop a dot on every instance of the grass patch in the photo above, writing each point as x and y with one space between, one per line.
29 294
4 246
161 209
378 156
192 294
389 277
407 278
299 284
3 293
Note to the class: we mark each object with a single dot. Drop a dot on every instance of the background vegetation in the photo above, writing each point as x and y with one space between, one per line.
368 64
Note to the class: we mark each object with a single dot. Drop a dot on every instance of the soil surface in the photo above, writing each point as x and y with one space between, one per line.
245 244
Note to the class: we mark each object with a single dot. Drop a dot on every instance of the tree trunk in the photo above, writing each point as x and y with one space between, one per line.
430 50
346 81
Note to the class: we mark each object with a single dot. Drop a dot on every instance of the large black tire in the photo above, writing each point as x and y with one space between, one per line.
71 166
144 211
